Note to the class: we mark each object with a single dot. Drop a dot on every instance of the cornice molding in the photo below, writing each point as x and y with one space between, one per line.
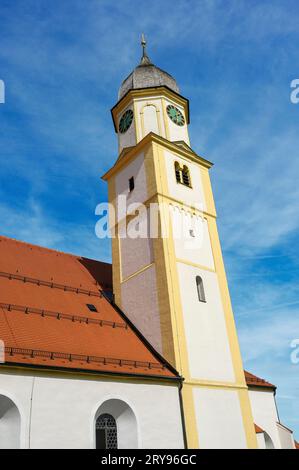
126 155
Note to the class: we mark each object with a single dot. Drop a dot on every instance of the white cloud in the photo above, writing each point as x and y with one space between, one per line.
31 224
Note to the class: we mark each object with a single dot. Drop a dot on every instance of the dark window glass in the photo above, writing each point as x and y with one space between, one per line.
177 172
106 432
131 183
92 307
200 289
182 174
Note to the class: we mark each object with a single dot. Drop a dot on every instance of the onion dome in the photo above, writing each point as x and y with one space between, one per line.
147 75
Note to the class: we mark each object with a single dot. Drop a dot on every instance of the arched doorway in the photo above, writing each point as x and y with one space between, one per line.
10 424
115 426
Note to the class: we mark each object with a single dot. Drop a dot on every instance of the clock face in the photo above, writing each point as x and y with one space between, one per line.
175 115
125 121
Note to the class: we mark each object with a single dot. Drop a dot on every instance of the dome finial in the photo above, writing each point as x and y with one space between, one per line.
145 60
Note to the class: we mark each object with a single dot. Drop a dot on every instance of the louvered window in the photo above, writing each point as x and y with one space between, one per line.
182 174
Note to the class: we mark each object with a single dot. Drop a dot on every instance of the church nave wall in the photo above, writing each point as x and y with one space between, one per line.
64 408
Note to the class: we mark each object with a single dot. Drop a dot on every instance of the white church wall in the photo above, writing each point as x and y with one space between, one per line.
219 419
286 437
207 340
63 410
260 437
144 315
265 413
193 247
136 169
191 196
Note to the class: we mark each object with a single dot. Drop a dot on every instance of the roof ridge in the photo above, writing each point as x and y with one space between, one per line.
53 250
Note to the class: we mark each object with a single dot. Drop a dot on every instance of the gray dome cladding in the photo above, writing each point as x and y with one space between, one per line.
147 76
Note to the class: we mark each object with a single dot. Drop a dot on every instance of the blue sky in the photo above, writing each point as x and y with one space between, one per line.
62 63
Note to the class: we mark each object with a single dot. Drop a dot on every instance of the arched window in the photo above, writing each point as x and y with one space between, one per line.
177 172
182 174
115 426
106 432
186 176
10 424
200 289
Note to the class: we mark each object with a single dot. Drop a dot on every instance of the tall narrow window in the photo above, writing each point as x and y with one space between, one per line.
186 176
182 174
200 289
106 432
131 183
177 172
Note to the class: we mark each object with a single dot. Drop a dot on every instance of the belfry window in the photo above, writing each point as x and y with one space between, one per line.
106 432
200 289
182 174
177 172
186 176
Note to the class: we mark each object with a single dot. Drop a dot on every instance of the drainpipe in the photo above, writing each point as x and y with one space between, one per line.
183 415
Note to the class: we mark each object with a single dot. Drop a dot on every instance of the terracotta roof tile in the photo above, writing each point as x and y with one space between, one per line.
258 430
254 381
44 318
43 315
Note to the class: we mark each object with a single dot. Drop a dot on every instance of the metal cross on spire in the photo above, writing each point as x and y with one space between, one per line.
145 60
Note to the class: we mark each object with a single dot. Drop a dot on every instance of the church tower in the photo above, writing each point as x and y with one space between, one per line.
173 285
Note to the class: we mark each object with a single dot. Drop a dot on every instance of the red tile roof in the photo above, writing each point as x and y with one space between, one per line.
45 321
258 430
254 381
297 445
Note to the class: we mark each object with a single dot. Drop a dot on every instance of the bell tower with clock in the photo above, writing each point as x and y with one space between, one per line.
172 283
158 108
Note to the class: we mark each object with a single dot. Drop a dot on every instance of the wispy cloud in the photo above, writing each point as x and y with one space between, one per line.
63 62
32 224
